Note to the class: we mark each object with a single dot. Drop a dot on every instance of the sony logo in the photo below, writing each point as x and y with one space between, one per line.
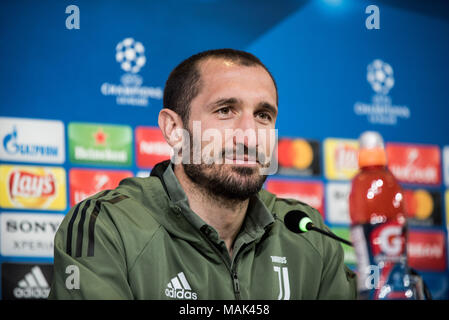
27 226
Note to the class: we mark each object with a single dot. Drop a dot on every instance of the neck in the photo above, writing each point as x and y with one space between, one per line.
224 215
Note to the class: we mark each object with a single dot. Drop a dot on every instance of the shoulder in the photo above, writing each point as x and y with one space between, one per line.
135 203
120 215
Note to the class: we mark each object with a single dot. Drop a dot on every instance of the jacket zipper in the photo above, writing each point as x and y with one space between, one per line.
236 283
235 279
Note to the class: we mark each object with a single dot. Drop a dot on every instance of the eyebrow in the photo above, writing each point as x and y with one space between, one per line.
269 107
225 101
222 102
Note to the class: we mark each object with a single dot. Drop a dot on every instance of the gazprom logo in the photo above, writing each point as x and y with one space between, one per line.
12 146
31 140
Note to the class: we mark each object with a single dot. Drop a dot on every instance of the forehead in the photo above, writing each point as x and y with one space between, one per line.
223 77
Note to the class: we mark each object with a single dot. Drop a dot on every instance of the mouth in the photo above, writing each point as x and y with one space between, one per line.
244 160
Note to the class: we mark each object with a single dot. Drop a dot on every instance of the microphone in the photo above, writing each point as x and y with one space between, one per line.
298 222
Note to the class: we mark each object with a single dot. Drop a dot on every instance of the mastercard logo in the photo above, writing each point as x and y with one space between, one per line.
419 204
295 153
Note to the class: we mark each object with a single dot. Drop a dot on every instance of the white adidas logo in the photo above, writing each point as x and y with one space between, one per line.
179 288
34 285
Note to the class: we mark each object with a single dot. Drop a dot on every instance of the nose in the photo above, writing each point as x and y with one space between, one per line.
246 131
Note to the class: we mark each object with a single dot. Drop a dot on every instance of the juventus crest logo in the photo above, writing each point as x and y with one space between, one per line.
282 272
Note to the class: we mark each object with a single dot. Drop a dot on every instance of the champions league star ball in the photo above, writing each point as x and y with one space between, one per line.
130 55
380 76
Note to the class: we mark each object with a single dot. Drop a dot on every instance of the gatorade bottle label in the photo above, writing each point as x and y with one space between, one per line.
382 259
387 242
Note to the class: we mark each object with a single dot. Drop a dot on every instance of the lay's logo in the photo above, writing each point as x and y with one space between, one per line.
32 187
341 158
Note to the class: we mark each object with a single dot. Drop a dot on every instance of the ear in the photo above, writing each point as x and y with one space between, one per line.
171 126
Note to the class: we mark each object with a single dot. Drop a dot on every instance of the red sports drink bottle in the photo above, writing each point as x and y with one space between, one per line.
378 225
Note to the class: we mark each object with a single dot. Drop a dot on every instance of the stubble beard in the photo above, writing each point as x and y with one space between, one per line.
229 182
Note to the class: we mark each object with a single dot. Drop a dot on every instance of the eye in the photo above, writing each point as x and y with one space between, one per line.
224 112
265 116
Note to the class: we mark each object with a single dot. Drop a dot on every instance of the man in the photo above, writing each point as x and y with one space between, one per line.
201 229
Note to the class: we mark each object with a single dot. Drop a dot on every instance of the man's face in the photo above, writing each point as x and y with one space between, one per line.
235 111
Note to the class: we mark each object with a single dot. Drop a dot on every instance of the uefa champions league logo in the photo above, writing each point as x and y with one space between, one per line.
130 54
380 76
380 110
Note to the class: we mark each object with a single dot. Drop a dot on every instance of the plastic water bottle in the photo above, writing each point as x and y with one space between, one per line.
378 226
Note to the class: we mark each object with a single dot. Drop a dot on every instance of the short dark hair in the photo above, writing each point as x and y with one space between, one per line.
183 83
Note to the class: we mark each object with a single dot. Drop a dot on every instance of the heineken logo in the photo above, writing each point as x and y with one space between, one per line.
100 144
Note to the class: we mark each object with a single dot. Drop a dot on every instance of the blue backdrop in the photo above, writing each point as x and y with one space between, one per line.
318 51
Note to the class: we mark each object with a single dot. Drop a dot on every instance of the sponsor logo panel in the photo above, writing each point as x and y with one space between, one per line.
337 203
87 182
446 165
100 144
22 281
446 200
151 147
32 187
349 253
423 207
426 250
299 157
32 140
416 164
143 173
341 158
310 192
29 234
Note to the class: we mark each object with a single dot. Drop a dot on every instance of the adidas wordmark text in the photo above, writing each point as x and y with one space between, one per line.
179 288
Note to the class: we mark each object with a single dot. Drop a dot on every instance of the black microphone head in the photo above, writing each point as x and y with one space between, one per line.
293 219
